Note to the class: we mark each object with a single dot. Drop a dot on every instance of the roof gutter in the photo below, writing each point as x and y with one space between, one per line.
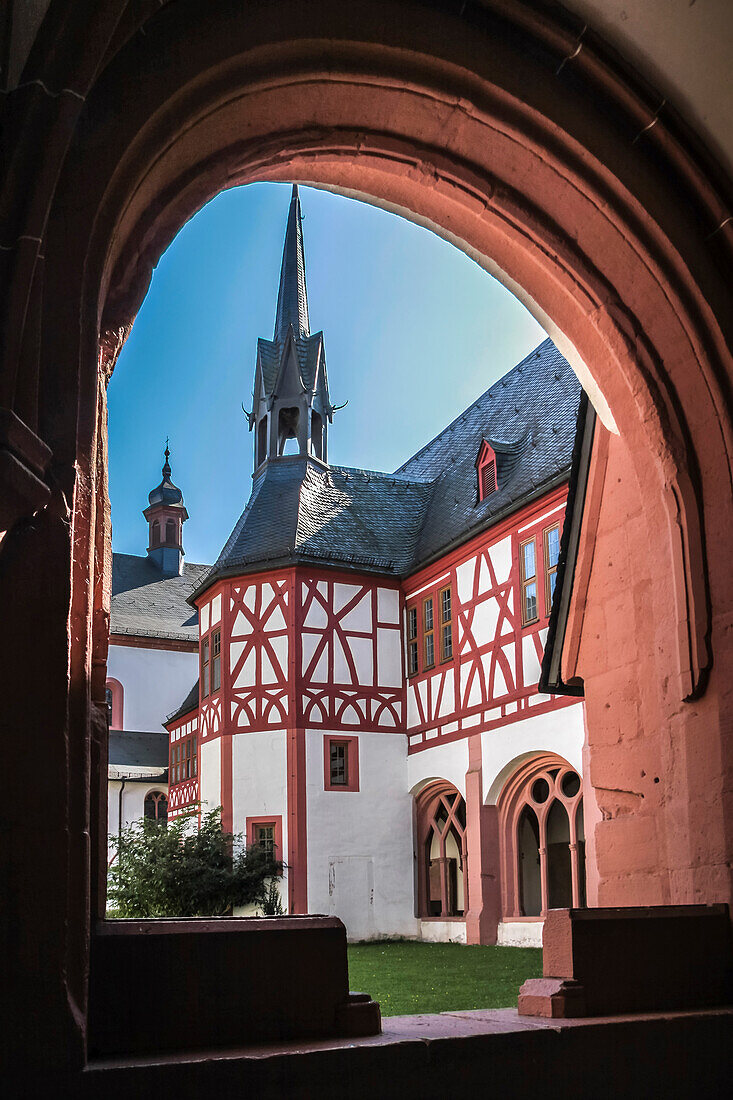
551 681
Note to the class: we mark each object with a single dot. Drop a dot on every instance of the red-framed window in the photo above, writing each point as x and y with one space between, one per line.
486 471
430 630
428 626
184 759
413 659
266 832
551 546
215 660
445 612
205 667
340 763
528 581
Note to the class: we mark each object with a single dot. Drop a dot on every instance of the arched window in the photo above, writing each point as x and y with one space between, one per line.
156 807
486 471
442 852
156 533
114 697
170 532
542 838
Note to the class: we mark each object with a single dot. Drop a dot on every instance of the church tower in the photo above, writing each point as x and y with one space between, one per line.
166 514
290 397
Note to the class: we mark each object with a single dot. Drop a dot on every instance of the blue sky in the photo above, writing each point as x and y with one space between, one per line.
414 332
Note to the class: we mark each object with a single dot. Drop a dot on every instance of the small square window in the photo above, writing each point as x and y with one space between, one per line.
340 763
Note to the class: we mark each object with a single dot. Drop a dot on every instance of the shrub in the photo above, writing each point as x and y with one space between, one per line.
175 870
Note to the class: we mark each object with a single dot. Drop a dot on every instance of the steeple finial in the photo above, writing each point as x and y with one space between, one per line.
292 297
166 465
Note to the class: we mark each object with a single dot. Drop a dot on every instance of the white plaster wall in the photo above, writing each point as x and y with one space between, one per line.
259 787
133 804
439 762
503 749
210 774
155 683
520 933
360 860
443 931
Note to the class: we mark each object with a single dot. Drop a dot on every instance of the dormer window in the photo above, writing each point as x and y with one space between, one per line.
486 471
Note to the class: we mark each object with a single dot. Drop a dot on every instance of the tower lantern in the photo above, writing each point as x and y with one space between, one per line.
166 514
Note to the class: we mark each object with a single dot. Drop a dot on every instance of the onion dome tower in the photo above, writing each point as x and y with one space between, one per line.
290 397
166 514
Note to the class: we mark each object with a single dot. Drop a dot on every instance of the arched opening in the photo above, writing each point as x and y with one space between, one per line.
156 807
509 150
443 854
155 540
287 431
542 853
170 532
528 848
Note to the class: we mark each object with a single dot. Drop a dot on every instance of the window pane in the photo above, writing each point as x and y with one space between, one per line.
529 560
412 622
530 601
553 546
338 756
553 581
447 642
412 657
215 673
428 606
205 680
445 605
429 650
265 837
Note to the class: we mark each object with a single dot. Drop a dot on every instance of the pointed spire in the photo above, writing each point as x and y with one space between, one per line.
166 471
292 297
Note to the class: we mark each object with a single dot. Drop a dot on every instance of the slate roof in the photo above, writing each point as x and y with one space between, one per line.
303 511
529 417
189 703
138 750
292 298
309 349
149 605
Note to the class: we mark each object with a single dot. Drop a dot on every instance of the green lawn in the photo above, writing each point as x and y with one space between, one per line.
407 977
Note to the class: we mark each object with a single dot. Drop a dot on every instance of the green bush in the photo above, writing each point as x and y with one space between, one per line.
175 870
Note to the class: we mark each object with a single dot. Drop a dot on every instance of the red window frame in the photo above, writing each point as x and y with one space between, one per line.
550 570
263 819
183 762
525 580
352 763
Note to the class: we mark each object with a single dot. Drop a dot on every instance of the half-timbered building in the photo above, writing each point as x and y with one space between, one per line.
369 649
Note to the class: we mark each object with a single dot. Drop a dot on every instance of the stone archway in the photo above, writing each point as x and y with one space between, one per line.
547 167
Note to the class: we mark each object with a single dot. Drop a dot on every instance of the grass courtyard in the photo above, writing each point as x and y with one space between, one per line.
408 977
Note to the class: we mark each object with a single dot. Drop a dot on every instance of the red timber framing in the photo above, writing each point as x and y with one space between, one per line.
183 790
491 677
300 649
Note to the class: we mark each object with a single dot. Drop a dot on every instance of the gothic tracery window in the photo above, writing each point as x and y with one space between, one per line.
442 852
156 807
543 843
